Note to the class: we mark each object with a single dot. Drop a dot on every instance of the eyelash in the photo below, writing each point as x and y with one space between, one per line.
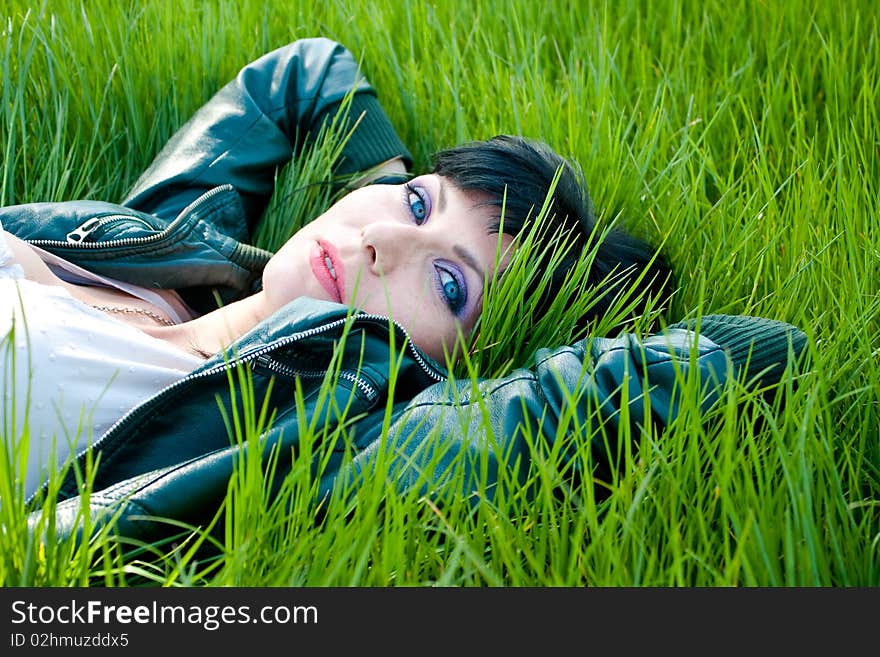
455 306
410 190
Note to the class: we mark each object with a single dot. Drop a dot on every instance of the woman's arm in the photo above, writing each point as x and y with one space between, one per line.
259 121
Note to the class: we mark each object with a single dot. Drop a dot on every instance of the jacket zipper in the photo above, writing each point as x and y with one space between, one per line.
91 224
285 370
81 233
259 354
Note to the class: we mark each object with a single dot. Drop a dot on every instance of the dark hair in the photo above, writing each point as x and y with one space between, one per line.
519 174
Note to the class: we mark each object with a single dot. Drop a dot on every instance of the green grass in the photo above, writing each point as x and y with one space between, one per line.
744 136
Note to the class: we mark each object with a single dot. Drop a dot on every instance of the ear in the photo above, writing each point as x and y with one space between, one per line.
390 179
390 172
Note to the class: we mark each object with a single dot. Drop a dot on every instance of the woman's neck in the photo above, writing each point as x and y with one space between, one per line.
217 330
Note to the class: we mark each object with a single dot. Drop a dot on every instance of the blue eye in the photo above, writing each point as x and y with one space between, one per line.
453 290
418 202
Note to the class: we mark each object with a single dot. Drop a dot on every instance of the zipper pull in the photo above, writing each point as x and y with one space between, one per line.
81 233
264 361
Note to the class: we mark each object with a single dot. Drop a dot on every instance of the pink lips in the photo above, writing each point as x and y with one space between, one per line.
318 256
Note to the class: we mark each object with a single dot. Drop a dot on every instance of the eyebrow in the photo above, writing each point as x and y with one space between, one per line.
469 259
441 195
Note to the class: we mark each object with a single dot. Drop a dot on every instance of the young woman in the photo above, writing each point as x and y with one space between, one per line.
119 343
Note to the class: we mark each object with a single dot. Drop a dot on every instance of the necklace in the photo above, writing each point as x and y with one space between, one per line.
125 310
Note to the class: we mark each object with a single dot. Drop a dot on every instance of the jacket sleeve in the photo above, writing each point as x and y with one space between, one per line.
260 120
582 405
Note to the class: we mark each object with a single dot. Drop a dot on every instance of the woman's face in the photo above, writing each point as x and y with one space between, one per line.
417 252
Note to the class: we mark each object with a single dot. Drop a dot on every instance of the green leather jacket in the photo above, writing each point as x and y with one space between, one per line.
186 226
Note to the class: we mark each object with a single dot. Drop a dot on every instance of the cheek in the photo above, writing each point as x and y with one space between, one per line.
409 299
429 341
432 327
433 335
284 275
353 208
426 328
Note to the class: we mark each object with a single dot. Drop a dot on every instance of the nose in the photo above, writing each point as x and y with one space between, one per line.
389 245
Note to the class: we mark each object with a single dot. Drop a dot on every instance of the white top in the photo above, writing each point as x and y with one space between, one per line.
69 371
